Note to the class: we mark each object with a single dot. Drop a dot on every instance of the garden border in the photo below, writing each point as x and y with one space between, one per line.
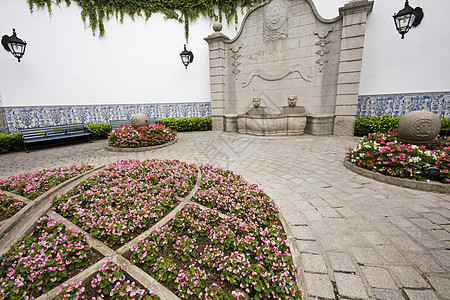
431 186
141 149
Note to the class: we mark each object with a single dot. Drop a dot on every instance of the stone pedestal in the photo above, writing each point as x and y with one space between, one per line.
320 125
230 122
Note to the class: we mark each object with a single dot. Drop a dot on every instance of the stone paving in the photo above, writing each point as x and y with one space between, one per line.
358 238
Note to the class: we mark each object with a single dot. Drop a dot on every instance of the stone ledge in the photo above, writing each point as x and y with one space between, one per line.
402 182
141 149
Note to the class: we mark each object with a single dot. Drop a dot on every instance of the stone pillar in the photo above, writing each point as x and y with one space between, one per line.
354 16
217 71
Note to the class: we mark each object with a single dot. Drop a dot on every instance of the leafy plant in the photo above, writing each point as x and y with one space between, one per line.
94 13
10 142
9 206
129 137
98 131
187 124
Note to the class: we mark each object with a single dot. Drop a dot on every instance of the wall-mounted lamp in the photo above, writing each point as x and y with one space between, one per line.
14 45
406 18
186 57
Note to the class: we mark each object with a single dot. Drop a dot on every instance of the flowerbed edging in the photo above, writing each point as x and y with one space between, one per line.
141 149
431 186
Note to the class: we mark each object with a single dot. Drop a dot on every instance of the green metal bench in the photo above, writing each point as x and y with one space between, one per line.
54 135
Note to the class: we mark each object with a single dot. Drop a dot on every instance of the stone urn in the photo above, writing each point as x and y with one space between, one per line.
139 120
419 127
292 100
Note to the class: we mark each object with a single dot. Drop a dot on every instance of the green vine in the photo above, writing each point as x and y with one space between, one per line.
95 12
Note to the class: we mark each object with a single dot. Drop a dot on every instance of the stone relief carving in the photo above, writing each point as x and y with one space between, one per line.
322 34
275 20
235 56
277 76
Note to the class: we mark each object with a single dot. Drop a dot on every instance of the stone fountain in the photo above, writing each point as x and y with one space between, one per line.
256 121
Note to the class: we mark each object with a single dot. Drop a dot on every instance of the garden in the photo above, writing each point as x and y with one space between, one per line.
200 231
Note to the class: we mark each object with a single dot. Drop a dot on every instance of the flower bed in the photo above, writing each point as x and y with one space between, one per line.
32 185
42 260
129 137
244 255
126 198
9 206
110 281
384 153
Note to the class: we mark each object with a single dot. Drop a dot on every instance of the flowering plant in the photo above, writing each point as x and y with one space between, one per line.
9 206
126 198
384 153
129 137
32 185
42 260
110 281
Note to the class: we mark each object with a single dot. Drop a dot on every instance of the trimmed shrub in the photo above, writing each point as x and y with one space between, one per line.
10 142
98 131
187 124
364 126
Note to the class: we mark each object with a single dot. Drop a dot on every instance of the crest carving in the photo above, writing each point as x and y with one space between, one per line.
275 21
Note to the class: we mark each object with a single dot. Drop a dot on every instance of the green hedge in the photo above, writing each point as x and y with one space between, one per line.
10 142
98 131
187 124
364 126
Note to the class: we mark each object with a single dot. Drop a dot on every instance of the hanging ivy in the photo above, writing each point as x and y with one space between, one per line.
95 12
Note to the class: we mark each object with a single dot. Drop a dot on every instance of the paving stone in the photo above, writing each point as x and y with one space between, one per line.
405 243
351 286
385 294
308 247
375 238
313 263
331 242
341 261
441 235
346 212
425 262
424 238
425 223
302 233
388 228
378 277
409 277
319 285
365 256
441 285
436 218
443 257
421 294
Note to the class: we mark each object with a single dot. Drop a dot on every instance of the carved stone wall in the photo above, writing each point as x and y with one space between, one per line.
285 48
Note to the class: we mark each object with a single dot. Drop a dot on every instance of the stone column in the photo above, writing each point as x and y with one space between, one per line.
352 44
217 71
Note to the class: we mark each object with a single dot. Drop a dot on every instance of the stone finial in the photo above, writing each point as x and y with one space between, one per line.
419 127
217 26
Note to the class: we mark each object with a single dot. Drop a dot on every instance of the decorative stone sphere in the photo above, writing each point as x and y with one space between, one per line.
139 120
419 127
217 26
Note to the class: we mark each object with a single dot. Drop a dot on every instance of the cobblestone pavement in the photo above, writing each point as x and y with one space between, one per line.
358 238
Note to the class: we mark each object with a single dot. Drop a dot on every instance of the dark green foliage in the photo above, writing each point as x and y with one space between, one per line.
187 124
94 13
98 131
10 142
364 126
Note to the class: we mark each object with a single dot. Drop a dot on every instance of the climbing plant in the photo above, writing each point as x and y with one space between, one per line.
95 12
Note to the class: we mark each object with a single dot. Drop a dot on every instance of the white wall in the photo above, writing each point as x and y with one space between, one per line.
418 63
135 62
138 62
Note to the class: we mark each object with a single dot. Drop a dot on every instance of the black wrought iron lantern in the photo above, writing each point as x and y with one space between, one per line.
186 57
14 45
407 17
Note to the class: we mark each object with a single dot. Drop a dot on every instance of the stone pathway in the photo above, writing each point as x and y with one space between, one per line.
358 238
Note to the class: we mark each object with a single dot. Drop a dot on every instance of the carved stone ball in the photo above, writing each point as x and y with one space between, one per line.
139 120
419 127
217 26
